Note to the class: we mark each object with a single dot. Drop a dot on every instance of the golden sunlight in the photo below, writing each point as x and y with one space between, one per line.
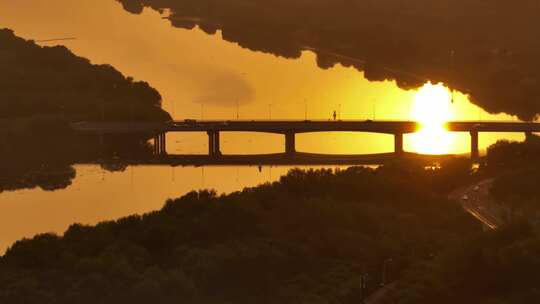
432 108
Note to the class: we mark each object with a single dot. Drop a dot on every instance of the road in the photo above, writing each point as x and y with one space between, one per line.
380 296
297 126
265 126
476 200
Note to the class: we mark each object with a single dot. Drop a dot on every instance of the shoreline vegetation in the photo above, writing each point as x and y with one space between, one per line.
501 266
314 236
307 238
42 90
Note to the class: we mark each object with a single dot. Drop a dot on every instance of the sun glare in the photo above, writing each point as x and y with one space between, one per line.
432 108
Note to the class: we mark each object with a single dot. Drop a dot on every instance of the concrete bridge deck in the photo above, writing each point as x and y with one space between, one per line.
290 128
265 126
302 126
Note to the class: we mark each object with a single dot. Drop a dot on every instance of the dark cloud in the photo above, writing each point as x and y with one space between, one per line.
488 49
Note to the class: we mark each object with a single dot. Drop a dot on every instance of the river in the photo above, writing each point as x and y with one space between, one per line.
201 76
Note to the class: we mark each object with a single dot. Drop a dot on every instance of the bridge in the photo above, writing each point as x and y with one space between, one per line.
289 129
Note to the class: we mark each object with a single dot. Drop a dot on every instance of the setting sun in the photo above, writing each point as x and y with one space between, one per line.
432 108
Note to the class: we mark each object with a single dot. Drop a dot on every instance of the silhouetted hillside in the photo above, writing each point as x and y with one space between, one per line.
37 80
305 239
485 48
42 90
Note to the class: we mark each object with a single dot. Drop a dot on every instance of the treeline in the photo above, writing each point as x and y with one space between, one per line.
43 90
39 152
499 267
471 45
308 238
36 80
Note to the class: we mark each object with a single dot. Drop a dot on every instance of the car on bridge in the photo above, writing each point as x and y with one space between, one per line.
478 126
172 123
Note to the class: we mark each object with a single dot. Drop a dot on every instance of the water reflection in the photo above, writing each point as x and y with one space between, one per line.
98 195
189 67
201 76
409 41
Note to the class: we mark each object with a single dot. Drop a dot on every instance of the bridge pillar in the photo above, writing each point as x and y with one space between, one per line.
163 145
210 143
213 143
160 144
475 151
290 143
217 145
156 144
398 143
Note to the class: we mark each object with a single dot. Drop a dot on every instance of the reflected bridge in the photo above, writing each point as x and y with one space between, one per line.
289 129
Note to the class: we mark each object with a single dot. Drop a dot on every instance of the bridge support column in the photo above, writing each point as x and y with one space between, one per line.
160 144
163 144
398 143
217 145
290 143
156 144
214 149
475 151
210 143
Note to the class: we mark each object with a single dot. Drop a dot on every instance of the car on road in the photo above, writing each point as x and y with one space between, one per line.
465 197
